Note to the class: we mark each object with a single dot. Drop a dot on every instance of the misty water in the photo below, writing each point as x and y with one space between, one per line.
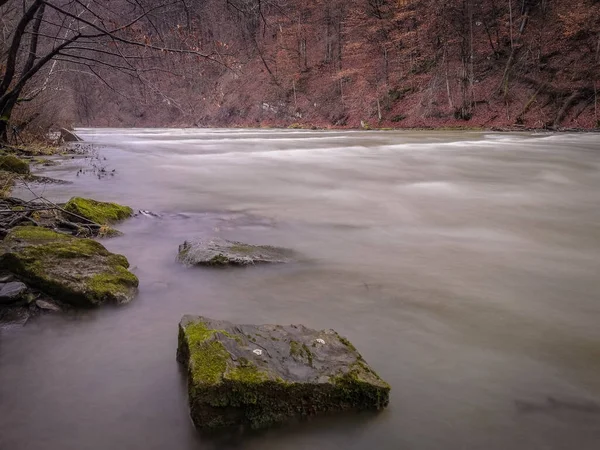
465 267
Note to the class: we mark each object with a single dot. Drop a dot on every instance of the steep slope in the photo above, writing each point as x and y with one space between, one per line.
382 63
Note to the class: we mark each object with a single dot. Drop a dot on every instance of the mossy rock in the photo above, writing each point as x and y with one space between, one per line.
220 252
7 181
103 213
256 376
11 163
80 272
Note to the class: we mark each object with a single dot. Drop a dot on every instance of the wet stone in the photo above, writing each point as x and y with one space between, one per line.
6 277
11 292
79 272
47 306
256 376
221 252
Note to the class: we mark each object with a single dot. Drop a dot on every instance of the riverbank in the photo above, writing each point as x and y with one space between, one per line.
368 126
48 262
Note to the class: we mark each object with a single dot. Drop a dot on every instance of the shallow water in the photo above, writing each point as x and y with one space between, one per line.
464 266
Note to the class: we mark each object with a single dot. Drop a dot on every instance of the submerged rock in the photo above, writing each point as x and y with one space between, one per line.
103 213
261 375
14 316
80 272
220 252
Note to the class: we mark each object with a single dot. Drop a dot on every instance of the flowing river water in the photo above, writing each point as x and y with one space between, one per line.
465 267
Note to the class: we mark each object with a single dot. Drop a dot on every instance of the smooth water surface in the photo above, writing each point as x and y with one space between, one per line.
464 266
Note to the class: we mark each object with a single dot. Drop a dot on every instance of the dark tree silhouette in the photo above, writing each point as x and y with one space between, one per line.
88 33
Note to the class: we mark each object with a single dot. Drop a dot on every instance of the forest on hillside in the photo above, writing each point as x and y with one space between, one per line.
323 63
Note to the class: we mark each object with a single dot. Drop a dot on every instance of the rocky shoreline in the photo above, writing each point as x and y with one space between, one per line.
48 259
47 251
238 375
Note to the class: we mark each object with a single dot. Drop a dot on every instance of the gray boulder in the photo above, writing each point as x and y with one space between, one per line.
249 375
11 292
220 252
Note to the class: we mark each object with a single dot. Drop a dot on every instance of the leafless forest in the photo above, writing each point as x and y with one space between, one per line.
335 63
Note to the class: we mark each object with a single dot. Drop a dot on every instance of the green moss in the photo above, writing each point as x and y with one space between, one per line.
66 249
11 163
301 351
308 354
208 362
98 212
295 349
118 260
77 271
110 283
247 373
198 332
347 343
35 234
208 357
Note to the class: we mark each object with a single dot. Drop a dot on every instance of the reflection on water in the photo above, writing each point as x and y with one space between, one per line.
464 266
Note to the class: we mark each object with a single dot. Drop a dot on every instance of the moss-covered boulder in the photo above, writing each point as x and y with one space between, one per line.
103 213
80 272
11 163
220 252
248 375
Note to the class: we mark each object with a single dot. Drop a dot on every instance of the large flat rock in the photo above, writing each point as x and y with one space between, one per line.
261 375
221 252
80 272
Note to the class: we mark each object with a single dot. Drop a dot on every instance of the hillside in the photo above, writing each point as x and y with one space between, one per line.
379 63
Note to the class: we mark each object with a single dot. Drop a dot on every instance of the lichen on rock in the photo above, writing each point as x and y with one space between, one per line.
80 272
103 213
256 376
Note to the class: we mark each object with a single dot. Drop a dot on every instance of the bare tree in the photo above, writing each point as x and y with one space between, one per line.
89 34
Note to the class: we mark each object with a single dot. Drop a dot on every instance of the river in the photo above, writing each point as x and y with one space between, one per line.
464 266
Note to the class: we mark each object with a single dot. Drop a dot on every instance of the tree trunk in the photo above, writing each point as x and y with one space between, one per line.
3 131
6 108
